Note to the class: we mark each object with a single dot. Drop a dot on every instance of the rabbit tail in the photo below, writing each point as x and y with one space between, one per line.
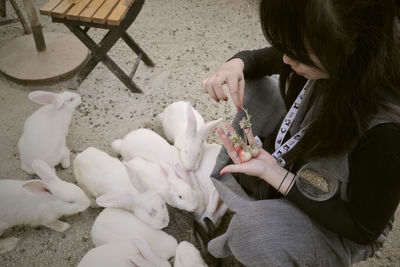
116 146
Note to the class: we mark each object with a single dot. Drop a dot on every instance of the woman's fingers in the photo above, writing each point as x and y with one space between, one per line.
230 129
241 92
233 86
207 88
228 146
218 87
214 87
233 168
230 73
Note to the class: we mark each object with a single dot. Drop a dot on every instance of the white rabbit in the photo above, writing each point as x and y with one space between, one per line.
147 206
99 174
38 202
188 256
131 253
113 225
162 178
207 163
174 117
45 131
214 208
147 144
186 127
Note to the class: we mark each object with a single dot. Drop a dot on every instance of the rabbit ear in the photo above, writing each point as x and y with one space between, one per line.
182 173
133 262
205 130
193 180
37 187
212 202
191 127
145 250
212 205
147 253
137 183
114 200
165 170
45 98
44 171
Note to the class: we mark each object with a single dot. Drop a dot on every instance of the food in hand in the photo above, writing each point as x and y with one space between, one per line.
245 121
254 150
237 142
244 155
245 150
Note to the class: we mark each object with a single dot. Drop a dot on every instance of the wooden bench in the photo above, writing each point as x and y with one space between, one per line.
114 15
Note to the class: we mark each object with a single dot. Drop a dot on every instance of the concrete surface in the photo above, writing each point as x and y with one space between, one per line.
187 39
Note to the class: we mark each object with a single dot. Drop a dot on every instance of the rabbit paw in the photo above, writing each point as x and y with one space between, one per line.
27 169
65 161
8 244
58 226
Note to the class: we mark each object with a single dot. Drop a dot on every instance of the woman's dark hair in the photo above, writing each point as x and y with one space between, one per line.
357 43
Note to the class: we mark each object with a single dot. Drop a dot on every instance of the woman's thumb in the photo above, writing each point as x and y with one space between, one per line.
230 168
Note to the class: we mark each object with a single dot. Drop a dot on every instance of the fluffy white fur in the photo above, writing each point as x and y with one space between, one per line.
113 225
147 206
162 178
45 131
101 175
98 173
38 202
174 119
147 144
131 253
188 256
214 208
185 127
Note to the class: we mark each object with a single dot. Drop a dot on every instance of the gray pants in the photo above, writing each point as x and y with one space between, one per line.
274 232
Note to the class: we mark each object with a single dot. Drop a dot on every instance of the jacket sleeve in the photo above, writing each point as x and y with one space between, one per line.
261 62
374 189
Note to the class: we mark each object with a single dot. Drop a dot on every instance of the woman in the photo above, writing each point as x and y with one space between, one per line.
330 136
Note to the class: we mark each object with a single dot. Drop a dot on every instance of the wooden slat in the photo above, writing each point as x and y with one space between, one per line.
61 10
119 12
49 6
74 12
90 10
105 10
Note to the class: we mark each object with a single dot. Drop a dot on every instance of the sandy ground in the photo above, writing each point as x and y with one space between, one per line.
187 40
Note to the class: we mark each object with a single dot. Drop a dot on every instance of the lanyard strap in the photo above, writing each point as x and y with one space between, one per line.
282 149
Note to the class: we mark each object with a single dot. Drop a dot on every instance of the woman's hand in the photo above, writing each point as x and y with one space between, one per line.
265 166
230 73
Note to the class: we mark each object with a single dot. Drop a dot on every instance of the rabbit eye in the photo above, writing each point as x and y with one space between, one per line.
71 99
47 191
180 197
71 202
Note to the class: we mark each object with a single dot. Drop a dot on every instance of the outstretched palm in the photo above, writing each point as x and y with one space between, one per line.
255 167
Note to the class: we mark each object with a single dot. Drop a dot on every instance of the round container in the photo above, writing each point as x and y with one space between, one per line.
316 181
